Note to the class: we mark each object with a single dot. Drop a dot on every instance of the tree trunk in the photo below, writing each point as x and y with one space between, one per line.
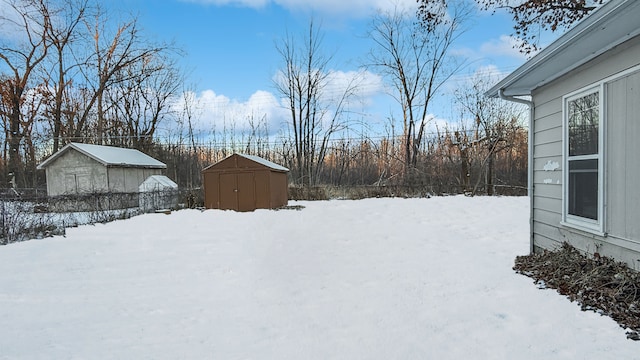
490 174
464 169
15 138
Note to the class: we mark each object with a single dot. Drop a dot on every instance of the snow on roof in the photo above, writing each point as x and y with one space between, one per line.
157 182
257 159
109 155
264 162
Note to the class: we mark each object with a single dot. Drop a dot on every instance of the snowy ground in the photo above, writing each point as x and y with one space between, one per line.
368 279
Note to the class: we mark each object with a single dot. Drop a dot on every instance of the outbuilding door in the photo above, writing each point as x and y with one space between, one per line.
237 192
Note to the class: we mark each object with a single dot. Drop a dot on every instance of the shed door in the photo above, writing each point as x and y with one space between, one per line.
70 184
237 192
228 191
246 192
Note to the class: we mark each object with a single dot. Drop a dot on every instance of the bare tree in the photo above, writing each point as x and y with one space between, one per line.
257 139
316 112
63 34
191 110
457 146
21 57
112 53
530 17
140 99
495 123
415 60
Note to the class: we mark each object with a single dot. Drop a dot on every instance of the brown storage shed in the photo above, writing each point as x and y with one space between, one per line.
245 183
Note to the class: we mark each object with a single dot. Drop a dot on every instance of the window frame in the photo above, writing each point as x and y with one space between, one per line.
584 223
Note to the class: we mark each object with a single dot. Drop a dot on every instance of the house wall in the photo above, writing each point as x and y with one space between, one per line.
622 126
74 173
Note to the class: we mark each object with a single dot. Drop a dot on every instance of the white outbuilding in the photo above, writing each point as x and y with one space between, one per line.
85 168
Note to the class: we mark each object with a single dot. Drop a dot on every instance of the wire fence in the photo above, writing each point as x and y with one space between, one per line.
31 214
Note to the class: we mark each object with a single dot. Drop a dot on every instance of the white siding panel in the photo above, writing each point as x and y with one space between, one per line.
549 192
616 157
547 177
550 218
549 232
547 203
553 122
548 149
551 136
545 242
633 158
623 122
547 114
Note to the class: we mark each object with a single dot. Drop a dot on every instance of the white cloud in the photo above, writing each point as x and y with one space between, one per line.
356 8
504 46
364 85
220 112
435 124
217 112
356 89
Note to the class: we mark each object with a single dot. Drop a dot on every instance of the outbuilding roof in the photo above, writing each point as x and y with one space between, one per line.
257 159
157 182
264 162
109 156
607 27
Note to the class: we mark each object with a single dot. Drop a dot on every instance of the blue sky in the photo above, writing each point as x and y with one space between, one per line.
231 56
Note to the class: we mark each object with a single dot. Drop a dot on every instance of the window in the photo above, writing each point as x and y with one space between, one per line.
583 160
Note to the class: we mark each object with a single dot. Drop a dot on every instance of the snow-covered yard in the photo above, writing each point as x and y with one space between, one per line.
368 279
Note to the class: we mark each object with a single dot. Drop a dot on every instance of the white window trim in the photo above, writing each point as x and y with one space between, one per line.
589 225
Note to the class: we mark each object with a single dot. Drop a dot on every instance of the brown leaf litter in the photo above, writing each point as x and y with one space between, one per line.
598 284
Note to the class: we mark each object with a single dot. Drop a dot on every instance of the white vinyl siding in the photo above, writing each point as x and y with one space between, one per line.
623 157
616 75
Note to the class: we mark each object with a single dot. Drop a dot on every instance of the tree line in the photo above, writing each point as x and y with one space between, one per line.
474 157
71 71
75 72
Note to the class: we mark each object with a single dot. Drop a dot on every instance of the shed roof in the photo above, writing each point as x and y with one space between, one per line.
109 156
157 182
264 162
257 159
607 27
